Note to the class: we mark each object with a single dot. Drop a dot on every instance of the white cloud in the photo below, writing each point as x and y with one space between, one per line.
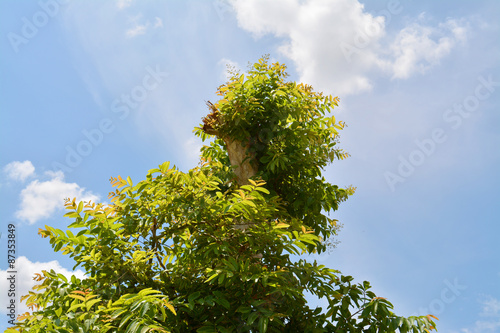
336 45
491 307
192 148
24 279
41 199
139 29
121 4
19 170
490 312
417 47
158 23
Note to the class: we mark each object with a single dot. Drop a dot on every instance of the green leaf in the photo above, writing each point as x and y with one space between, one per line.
251 318
207 329
90 303
263 322
213 276
80 207
221 300
194 296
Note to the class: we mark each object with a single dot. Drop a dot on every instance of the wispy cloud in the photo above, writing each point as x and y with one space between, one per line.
490 314
141 29
41 199
121 4
158 23
19 170
136 31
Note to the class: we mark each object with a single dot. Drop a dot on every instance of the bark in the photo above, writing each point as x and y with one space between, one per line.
246 166
239 155
245 163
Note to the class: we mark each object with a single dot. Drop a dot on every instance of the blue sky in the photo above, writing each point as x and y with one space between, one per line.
92 90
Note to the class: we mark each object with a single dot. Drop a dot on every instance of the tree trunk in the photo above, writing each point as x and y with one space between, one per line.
246 166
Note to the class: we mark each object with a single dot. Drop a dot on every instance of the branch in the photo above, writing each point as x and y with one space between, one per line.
155 244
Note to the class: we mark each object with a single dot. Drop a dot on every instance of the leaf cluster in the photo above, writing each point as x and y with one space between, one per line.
291 135
197 252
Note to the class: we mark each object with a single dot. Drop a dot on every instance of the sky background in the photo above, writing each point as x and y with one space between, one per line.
91 90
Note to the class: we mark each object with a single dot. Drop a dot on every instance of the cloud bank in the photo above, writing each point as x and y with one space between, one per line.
337 46
25 272
41 199
19 171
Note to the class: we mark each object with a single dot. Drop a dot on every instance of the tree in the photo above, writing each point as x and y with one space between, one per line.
217 249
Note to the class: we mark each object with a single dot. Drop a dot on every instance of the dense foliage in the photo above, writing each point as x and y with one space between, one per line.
211 250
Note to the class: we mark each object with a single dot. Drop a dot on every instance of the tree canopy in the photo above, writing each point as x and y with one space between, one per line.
217 248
